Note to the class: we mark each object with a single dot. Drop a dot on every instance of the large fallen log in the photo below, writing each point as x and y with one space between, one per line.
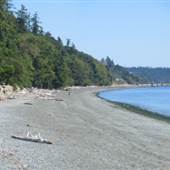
31 138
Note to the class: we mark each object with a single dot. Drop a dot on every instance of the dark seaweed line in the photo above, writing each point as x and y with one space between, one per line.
137 109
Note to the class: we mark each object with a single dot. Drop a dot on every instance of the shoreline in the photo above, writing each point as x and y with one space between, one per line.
133 108
87 133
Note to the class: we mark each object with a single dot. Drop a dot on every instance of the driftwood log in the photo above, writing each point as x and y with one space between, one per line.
28 103
53 99
32 139
59 100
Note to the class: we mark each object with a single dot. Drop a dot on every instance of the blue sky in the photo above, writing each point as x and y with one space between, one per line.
131 32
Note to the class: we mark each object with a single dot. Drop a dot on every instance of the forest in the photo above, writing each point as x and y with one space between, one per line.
31 57
151 75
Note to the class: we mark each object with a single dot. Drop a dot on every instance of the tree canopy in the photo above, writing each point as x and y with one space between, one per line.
31 57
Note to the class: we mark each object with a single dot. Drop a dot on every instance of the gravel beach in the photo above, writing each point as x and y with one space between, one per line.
87 133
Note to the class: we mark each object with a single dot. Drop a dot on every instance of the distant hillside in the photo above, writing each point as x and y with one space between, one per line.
155 75
119 74
31 57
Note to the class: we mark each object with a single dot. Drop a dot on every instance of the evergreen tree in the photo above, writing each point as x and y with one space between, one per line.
60 41
23 20
5 5
36 28
68 42
109 63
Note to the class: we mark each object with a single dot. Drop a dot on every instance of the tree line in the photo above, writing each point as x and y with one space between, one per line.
31 57
152 75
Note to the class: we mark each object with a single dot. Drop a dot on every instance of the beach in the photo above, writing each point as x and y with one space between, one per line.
87 133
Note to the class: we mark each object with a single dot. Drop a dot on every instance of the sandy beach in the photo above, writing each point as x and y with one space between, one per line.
87 132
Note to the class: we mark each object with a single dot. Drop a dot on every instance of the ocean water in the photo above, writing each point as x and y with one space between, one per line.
156 99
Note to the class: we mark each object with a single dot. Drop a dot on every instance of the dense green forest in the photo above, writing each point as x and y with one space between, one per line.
31 57
152 75
119 74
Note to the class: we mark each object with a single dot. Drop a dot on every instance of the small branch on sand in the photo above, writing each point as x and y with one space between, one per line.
59 100
28 103
31 138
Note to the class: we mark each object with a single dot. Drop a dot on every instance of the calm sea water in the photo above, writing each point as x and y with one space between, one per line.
153 99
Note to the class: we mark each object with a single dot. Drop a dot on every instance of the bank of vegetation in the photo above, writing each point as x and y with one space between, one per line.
31 57
151 75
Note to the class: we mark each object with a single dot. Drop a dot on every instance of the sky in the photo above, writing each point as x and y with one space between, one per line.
131 32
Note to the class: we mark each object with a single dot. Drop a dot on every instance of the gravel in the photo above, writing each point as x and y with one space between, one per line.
87 134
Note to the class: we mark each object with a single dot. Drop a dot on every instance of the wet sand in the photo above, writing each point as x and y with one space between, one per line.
87 132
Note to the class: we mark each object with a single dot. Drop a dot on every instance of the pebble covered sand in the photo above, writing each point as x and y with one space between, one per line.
87 133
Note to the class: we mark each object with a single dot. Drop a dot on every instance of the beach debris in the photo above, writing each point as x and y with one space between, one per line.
11 97
59 100
5 92
6 89
32 138
66 88
28 103
44 94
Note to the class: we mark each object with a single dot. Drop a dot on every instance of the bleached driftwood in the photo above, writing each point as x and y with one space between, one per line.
51 98
11 97
31 138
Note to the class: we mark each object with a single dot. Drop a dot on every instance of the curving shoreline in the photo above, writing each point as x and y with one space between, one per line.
136 109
